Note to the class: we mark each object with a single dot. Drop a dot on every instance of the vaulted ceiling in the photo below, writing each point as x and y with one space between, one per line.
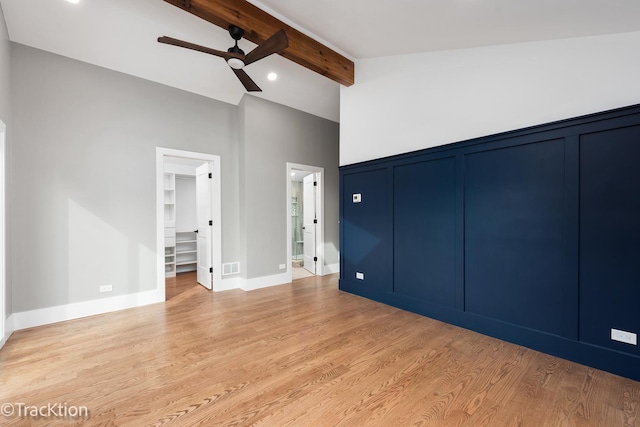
121 35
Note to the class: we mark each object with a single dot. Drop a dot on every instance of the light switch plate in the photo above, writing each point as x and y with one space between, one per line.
359 276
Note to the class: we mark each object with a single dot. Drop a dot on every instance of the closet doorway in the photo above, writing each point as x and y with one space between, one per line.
188 211
305 227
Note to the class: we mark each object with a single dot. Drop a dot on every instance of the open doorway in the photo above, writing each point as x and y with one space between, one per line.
305 228
188 218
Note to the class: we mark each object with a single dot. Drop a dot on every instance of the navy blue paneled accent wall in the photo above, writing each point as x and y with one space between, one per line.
531 236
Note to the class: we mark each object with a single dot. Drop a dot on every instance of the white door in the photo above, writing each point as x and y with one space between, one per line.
309 222
205 225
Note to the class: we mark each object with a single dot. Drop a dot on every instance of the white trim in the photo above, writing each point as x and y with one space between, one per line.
265 281
180 169
3 233
61 313
160 279
161 153
319 215
230 283
8 330
331 269
252 284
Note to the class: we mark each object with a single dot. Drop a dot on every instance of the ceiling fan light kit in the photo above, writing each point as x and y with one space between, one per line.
235 63
235 57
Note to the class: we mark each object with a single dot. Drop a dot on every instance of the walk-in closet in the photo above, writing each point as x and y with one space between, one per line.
180 216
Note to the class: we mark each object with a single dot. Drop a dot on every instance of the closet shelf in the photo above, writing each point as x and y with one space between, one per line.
186 249
169 224
192 251
181 243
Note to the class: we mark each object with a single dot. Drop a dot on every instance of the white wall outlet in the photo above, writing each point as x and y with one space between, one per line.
283 266
106 288
624 336
359 276
357 198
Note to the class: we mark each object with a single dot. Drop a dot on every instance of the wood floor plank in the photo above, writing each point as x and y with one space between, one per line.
302 354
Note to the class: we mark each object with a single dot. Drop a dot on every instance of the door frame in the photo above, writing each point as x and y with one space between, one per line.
3 270
319 215
216 211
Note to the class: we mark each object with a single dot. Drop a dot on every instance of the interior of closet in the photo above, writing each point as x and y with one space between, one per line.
180 249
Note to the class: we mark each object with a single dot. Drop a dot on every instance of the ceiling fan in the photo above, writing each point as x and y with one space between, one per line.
235 56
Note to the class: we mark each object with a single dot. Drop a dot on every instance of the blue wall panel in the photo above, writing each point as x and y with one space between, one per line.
514 235
366 232
424 230
532 236
610 235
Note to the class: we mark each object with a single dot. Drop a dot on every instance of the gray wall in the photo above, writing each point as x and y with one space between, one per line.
5 116
83 197
84 174
272 136
5 82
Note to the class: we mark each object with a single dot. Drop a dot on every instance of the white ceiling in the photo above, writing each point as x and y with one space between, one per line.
121 35
374 28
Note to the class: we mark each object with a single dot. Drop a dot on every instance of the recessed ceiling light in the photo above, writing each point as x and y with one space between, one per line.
272 76
74 1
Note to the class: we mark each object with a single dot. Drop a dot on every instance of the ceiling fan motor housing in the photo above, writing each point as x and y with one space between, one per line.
236 32
235 49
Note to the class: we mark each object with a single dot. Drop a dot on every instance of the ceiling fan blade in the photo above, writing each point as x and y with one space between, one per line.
192 46
274 44
244 78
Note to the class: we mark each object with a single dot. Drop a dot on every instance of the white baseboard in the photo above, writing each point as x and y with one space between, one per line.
60 313
252 284
265 281
228 284
8 330
331 269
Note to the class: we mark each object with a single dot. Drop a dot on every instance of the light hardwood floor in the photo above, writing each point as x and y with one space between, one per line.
297 355
298 273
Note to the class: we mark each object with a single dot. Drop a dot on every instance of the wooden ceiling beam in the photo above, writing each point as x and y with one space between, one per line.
259 26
